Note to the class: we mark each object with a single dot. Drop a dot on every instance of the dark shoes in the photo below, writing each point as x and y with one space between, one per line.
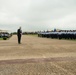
19 43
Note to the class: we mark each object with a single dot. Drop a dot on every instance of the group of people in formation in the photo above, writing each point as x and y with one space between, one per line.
60 35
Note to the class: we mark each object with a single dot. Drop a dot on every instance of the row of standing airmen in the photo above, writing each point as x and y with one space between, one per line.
59 35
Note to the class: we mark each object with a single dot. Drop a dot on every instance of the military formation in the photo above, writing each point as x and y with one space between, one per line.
58 35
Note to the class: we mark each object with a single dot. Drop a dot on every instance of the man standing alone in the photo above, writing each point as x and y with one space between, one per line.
19 34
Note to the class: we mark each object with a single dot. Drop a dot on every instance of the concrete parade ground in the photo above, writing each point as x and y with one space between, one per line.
37 56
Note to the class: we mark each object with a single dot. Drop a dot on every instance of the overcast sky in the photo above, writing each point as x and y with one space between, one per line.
34 15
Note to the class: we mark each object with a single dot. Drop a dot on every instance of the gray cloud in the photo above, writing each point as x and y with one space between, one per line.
37 14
